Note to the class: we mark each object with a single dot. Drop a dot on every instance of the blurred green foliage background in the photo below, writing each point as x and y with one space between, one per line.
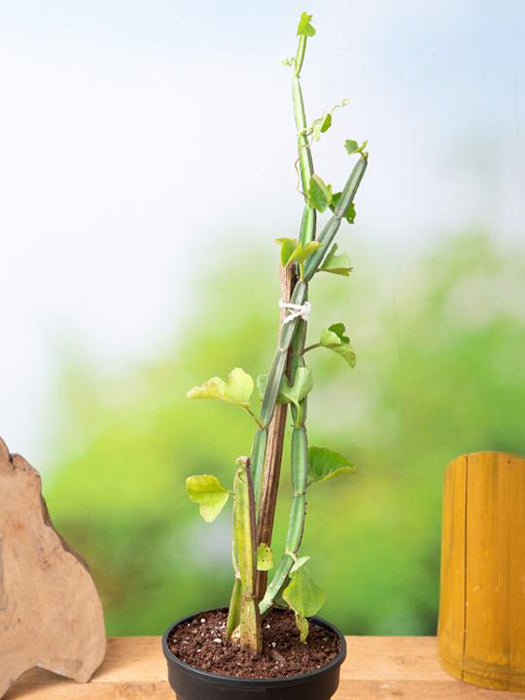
439 340
148 163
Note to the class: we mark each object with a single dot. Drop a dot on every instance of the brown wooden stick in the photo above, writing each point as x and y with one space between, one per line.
274 453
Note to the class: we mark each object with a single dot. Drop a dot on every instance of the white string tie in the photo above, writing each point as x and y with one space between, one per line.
296 310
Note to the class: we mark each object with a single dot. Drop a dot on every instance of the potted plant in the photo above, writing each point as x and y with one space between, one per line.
268 641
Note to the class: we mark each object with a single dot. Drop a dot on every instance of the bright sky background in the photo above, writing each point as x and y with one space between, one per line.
138 138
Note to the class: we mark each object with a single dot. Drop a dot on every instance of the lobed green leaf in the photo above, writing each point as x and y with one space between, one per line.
336 264
334 339
325 464
352 147
347 353
319 194
303 594
339 329
288 245
290 393
237 389
305 27
349 214
303 252
292 251
301 387
208 492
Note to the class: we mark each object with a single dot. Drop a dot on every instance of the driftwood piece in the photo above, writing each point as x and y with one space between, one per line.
50 613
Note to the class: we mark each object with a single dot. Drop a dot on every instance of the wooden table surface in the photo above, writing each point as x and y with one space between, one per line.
376 667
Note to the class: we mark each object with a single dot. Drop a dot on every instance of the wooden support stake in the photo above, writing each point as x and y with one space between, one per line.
274 453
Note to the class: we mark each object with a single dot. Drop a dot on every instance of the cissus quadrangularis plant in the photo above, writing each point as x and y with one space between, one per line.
287 384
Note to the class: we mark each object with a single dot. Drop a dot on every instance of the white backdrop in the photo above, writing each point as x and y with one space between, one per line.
136 136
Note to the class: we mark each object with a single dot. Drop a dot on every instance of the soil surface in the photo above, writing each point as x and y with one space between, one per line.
201 643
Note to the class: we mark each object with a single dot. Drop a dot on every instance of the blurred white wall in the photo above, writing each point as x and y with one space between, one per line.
137 136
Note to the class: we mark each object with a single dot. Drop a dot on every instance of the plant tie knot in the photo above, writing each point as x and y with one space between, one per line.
296 310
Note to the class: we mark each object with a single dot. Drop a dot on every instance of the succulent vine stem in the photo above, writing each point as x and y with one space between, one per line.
257 478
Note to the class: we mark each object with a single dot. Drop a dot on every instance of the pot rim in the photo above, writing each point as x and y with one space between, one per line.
284 680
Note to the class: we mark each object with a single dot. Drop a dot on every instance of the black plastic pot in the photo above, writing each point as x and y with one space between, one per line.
190 683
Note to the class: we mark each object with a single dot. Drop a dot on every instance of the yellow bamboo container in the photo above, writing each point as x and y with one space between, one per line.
481 628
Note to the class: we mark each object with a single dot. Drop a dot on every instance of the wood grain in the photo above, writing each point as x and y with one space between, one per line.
50 612
482 611
387 668
451 624
274 450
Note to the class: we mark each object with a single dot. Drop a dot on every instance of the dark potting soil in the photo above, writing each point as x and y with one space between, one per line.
201 643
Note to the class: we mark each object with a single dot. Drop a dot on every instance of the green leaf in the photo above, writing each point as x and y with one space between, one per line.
303 626
325 464
349 213
351 146
288 245
336 264
302 253
326 123
339 329
305 27
303 594
292 251
319 193
209 493
321 125
329 339
347 353
334 339
237 389
301 561
264 557
302 386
